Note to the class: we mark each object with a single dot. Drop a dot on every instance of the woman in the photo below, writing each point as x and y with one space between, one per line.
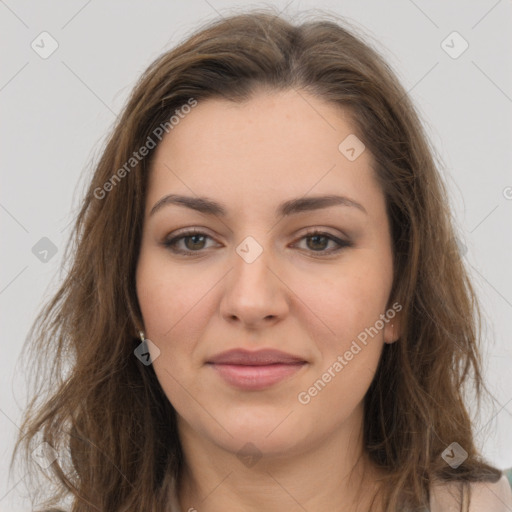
268 217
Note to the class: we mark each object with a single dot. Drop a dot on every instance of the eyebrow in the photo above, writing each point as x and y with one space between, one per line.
290 207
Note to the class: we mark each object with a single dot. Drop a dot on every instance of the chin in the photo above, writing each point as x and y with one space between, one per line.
277 433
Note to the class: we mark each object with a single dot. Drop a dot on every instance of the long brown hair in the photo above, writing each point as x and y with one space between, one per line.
105 413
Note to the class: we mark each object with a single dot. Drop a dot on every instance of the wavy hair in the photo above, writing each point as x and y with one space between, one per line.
105 413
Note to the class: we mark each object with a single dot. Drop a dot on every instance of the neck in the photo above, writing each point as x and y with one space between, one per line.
326 475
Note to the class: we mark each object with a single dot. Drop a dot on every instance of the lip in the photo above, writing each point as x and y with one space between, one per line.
255 370
255 358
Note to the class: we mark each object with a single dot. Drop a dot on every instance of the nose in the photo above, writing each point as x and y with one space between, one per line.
254 295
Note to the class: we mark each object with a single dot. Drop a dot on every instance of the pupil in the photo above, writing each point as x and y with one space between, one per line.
316 237
194 238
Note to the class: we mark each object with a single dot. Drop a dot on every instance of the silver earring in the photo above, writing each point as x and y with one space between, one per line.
142 337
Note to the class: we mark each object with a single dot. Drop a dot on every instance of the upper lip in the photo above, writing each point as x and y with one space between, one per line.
255 358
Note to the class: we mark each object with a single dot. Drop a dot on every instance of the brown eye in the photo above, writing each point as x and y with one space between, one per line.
196 242
318 242
190 243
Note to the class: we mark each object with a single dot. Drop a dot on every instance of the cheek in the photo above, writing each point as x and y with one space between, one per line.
341 391
171 300
348 359
173 313
351 306
347 303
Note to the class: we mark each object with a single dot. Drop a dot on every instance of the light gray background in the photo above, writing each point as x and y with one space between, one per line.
57 111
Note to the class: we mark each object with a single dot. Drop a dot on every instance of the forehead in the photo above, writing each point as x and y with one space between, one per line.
273 146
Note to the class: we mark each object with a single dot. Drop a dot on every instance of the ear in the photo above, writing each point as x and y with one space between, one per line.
392 329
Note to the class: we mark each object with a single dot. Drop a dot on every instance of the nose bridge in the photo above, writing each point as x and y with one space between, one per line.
253 293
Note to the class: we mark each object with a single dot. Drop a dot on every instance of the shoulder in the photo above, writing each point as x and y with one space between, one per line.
495 497
484 497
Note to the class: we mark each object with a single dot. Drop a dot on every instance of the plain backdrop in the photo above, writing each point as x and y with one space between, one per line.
57 110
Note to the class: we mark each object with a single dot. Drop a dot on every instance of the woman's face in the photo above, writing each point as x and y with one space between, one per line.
255 278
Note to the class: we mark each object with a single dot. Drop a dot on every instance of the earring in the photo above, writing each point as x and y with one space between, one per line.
142 337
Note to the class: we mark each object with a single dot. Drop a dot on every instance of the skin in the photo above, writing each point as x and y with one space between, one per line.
250 157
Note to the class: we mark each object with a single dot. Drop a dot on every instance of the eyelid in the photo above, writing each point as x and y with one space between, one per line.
324 230
180 234
189 231
341 243
298 234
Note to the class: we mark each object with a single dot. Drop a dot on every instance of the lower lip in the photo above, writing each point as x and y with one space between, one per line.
255 377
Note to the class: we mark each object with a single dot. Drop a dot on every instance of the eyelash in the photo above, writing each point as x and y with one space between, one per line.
342 244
